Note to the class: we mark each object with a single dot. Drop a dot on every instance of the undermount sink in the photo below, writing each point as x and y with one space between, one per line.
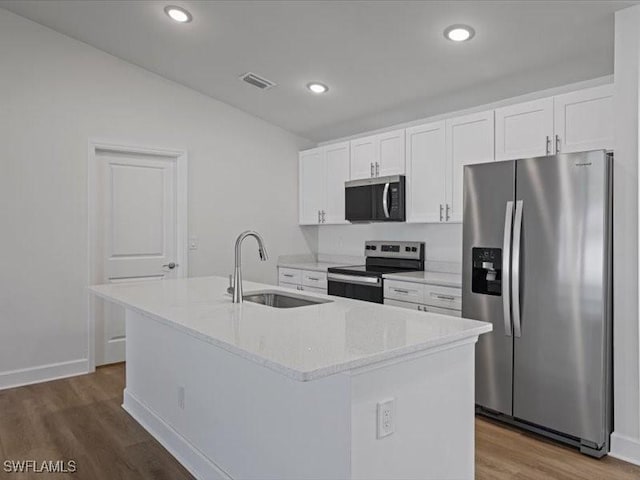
276 299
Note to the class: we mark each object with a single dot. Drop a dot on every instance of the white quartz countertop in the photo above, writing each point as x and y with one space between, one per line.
426 277
304 343
314 266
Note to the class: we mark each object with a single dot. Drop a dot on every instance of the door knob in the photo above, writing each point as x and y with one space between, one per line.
170 265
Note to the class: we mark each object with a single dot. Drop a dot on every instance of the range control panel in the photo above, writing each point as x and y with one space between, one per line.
408 250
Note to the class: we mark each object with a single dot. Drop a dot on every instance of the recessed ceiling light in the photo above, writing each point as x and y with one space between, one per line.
316 87
459 33
178 14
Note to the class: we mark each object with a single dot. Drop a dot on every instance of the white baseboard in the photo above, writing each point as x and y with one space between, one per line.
625 448
188 455
43 373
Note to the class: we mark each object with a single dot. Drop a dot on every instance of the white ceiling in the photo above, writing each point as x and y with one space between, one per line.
384 62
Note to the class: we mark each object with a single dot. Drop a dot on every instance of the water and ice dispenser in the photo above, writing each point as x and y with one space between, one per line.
487 271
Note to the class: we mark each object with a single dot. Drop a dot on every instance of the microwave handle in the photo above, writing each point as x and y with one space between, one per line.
385 200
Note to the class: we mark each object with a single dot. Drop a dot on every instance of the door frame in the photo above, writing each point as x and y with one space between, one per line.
182 233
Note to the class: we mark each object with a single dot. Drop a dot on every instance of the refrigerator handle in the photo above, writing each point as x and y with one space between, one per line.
515 270
506 269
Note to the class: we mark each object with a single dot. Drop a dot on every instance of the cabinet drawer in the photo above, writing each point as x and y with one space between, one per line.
289 285
289 275
443 311
445 297
314 279
396 303
305 288
403 291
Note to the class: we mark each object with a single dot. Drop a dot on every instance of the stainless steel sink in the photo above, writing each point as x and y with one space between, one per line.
277 299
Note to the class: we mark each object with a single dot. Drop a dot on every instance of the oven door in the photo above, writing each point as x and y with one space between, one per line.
357 287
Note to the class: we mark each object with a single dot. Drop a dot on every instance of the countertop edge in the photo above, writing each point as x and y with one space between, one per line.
305 376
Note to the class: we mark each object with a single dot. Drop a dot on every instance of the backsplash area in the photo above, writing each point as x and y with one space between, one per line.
443 241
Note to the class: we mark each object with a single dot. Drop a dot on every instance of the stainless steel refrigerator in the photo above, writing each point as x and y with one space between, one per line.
537 265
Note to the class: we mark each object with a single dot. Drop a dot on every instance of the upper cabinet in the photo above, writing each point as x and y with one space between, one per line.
470 139
322 173
573 122
584 120
525 130
426 173
378 155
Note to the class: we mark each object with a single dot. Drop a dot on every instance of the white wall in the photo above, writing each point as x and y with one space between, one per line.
56 94
443 242
626 438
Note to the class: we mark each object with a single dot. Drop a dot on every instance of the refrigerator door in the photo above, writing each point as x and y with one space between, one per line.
561 357
487 207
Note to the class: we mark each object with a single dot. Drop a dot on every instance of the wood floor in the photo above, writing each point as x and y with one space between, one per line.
80 419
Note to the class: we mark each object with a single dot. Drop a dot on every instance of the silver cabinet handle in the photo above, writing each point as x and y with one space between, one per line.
315 279
323 214
447 215
170 265
506 268
557 143
385 204
445 297
548 149
371 168
515 269
441 211
319 217
377 169
288 275
400 290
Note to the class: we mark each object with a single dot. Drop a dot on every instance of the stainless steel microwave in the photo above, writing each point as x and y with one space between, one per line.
379 199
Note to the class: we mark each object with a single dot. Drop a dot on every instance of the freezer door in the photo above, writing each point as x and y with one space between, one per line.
487 203
560 357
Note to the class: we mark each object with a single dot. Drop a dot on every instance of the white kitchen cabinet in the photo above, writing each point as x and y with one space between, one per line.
470 140
322 173
302 280
426 173
423 308
378 155
525 130
336 164
584 120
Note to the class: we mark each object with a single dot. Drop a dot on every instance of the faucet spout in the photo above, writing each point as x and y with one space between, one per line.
237 270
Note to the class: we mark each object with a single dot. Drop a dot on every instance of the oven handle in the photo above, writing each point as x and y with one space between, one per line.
368 281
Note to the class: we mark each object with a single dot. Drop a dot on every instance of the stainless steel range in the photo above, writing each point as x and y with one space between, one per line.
365 282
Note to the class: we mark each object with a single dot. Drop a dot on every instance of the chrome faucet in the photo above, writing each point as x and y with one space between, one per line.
235 287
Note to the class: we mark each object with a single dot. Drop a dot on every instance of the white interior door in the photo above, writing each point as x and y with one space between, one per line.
136 234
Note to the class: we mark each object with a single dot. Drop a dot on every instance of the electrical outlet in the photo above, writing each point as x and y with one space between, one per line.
193 243
386 417
181 397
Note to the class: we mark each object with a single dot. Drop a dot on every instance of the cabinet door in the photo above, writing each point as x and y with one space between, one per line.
426 172
311 186
584 120
336 159
364 152
391 153
524 130
469 140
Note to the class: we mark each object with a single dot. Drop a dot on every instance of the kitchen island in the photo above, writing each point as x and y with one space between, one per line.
337 390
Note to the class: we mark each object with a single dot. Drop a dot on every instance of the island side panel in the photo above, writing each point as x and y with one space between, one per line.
236 418
434 417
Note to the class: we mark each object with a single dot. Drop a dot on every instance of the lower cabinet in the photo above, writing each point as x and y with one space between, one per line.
303 280
423 297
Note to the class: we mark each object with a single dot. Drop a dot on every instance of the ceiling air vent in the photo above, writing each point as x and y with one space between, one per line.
256 81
